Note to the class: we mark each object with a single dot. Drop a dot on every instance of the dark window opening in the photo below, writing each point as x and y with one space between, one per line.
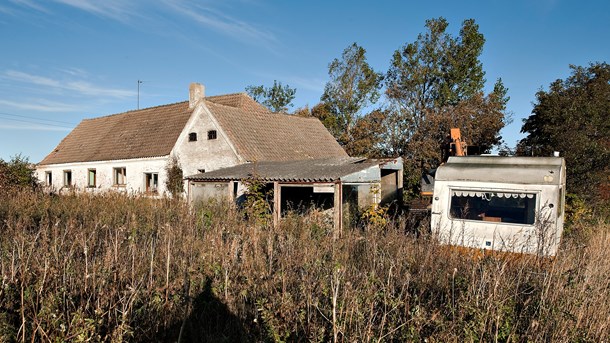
67 178
49 178
152 182
201 171
192 136
212 134
499 207
303 199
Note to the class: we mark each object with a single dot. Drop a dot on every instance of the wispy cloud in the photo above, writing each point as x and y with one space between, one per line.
77 72
81 87
41 105
119 10
5 10
31 4
137 11
312 84
213 19
33 127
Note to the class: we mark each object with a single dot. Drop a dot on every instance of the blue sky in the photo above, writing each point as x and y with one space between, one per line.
65 60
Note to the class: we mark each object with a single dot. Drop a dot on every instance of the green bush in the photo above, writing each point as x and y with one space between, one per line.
17 173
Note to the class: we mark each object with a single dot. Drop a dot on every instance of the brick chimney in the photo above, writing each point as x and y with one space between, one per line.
196 93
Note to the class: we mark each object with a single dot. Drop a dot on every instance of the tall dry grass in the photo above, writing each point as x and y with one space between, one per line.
115 268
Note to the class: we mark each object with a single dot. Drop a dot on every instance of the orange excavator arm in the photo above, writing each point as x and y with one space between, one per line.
457 145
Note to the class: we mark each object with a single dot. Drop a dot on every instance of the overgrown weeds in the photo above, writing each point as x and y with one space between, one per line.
116 268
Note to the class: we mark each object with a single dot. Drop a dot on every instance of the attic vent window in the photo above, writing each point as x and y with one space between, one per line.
212 134
192 136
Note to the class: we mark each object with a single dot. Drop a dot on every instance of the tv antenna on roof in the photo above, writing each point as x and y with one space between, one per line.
139 82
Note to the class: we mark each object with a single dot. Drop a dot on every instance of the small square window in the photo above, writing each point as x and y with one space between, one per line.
193 137
212 134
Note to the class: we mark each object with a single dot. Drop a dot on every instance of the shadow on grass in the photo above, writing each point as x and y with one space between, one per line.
209 321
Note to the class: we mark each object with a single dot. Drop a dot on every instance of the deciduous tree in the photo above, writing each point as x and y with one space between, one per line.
276 98
436 83
573 117
352 87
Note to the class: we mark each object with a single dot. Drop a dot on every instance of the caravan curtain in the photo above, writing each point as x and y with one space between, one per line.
488 194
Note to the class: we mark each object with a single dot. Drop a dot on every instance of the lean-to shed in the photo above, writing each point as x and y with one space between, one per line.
339 184
513 204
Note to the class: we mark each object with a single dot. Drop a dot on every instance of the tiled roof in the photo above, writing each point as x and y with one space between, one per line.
147 132
256 133
238 100
267 136
318 170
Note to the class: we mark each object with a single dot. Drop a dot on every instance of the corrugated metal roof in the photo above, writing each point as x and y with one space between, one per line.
318 170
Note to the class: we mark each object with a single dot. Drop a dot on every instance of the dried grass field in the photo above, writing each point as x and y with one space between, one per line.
113 268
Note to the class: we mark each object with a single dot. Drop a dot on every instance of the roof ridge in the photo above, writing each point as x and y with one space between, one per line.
240 108
228 94
131 111
268 112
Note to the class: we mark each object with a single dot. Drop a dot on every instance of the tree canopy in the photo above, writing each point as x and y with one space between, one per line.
276 98
434 84
573 117
353 86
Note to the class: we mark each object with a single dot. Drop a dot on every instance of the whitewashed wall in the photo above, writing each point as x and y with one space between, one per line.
134 183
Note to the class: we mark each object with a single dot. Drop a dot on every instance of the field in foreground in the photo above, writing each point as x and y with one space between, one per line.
114 268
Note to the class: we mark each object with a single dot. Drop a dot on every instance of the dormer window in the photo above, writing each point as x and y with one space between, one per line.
193 137
212 134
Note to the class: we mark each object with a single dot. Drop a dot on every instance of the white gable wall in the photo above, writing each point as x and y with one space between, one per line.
204 154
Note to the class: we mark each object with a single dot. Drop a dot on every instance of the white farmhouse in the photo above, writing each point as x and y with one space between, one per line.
130 151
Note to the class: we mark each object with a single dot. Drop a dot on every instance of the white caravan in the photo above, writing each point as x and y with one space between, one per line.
513 204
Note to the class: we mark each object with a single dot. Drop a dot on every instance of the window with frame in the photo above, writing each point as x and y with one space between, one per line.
193 137
67 178
48 177
151 182
212 134
120 176
493 206
91 178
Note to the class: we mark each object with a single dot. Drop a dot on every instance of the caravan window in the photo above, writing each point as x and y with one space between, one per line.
493 206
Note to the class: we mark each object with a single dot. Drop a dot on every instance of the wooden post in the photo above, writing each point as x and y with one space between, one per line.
277 203
338 210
